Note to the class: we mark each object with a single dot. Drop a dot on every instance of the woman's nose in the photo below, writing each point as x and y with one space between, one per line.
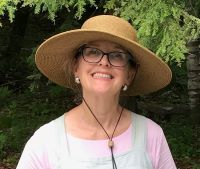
104 61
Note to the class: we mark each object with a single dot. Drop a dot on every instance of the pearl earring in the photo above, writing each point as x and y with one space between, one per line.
125 87
77 80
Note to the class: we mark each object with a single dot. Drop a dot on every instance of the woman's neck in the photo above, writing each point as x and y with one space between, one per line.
106 109
81 123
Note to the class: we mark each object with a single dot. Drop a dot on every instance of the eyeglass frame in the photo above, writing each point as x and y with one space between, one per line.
130 60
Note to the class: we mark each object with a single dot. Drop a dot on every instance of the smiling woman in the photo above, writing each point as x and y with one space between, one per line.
103 69
104 60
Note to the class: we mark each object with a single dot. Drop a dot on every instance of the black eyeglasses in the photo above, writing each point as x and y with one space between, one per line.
94 55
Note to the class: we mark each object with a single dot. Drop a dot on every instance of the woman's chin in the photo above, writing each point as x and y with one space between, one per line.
104 91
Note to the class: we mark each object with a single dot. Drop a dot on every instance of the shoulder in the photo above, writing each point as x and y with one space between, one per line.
43 132
43 135
155 136
40 150
154 133
157 145
154 130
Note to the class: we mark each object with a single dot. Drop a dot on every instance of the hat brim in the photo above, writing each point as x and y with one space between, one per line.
153 73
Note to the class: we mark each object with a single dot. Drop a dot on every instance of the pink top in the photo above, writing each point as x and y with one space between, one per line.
36 157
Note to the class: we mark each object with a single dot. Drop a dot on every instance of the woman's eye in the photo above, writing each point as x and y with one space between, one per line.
93 52
118 55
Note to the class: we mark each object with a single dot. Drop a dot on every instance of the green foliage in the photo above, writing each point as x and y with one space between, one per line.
35 81
53 6
179 79
22 116
56 91
35 76
183 139
4 93
11 161
9 6
49 6
2 141
163 26
159 25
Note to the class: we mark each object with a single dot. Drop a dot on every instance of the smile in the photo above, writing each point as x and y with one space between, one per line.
102 75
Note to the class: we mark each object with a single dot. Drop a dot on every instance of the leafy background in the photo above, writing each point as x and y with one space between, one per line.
28 99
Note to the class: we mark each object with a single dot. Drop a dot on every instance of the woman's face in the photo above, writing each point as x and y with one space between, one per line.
103 77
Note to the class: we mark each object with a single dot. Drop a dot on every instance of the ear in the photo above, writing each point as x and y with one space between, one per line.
75 68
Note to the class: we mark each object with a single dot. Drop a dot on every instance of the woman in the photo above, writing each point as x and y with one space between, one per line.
104 60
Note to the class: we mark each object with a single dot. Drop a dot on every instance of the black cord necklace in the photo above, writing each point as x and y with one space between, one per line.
110 142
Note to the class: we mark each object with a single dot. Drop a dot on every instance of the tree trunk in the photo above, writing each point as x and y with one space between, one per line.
193 72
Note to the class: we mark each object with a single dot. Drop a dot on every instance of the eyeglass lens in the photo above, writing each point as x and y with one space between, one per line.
94 55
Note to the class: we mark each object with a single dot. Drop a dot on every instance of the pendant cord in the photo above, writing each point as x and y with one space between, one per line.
110 138
113 159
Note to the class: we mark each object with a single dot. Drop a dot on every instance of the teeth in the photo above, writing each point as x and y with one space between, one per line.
100 75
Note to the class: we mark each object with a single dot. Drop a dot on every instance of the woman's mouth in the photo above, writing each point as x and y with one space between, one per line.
102 75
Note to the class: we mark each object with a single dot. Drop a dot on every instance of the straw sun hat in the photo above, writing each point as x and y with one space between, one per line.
153 74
